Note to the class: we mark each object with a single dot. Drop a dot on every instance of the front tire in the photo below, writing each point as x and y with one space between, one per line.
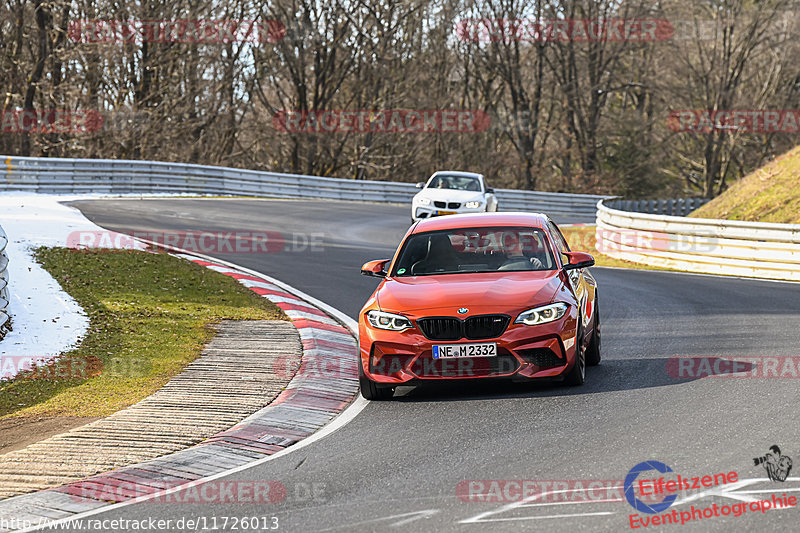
593 351
577 376
371 391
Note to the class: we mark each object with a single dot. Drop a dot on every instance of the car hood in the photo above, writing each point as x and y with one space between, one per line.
450 195
496 292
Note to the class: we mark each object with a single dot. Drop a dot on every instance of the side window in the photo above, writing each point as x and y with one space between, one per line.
561 242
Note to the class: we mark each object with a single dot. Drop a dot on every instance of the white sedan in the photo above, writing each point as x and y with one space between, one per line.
450 192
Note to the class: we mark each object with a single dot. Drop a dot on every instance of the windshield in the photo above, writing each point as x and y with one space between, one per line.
460 183
463 250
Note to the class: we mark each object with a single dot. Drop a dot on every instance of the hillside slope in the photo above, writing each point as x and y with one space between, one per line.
768 194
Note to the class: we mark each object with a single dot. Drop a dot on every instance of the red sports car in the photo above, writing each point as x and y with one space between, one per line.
496 295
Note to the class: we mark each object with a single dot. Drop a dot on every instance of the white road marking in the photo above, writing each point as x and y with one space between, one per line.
221 269
325 335
259 284
538 517
767 491
411 517
294 314
526 502
407 518
286 300
573 503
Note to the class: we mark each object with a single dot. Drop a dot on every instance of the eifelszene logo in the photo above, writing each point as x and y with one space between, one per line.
629 488
666 486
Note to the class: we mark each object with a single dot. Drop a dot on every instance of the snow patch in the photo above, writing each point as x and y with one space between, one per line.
46 320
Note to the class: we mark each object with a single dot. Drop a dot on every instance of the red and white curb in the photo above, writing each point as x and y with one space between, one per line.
322 387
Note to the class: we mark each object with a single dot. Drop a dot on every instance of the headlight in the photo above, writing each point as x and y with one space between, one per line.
472 205
542 315
392 322
423 201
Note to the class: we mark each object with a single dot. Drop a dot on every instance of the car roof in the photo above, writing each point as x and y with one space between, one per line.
457 173
478 220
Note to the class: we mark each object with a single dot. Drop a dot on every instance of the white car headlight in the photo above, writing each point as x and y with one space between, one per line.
472 205
542 315
390 321
423 201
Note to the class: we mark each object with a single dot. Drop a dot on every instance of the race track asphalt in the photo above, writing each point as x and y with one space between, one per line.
398 465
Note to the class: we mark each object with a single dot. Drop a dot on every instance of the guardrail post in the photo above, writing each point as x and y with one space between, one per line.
5 318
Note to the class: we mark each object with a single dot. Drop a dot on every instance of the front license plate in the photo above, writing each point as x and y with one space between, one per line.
450 351
445 212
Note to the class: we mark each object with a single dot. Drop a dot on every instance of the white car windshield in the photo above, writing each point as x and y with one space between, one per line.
465 250
459 183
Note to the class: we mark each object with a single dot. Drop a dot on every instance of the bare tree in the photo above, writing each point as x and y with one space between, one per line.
590 69
729 63
511 71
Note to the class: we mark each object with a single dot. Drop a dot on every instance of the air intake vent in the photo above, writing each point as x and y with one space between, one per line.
441 329
485 326
541 357
473 328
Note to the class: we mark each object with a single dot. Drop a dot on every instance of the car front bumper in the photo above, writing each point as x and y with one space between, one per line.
524 353
419 212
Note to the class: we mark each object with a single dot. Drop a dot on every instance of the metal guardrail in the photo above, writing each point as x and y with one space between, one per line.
5 318
51 175
674 206
752 249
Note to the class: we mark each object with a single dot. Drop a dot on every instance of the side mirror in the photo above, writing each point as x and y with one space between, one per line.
375 268
576 260
420 185
489 190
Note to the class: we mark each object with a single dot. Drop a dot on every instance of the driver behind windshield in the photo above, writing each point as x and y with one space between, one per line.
475 250
456 183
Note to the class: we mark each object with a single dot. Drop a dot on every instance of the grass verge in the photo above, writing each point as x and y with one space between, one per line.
150 315
768 194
